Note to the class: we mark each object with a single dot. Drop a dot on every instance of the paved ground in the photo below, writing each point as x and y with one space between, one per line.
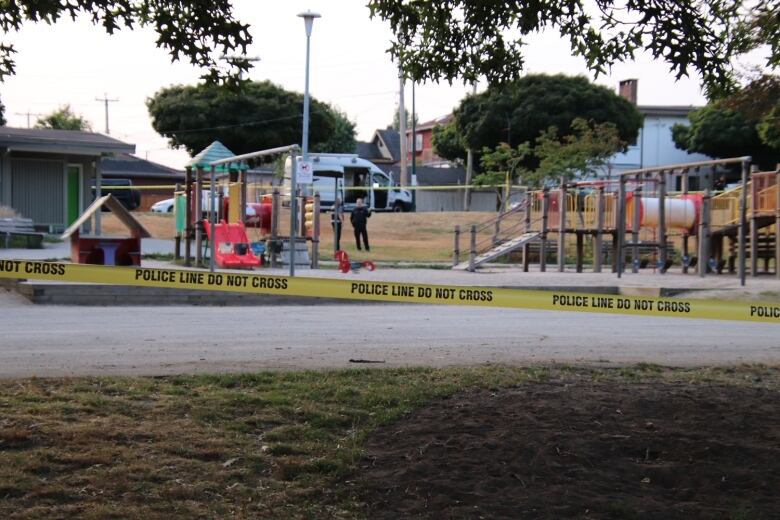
54 341
60 341
61 250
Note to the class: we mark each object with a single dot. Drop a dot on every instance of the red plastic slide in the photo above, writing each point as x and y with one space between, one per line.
231 246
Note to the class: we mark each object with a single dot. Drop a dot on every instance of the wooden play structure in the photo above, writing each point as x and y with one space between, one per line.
106 249
636 220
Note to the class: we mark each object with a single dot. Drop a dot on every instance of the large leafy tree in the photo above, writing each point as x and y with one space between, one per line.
63 119
198 30
520 111
259 115
743 123
467 40
448 143
2 114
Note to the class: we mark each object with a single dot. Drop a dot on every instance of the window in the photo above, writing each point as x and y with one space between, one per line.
418 141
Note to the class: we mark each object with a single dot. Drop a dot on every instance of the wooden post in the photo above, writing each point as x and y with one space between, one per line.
527 226
663 253
315 235
704 234
456 250
621 227
753 226
743 224
242 179
635 224
177 240
599 240
473 248
198 200
686 235
580 250
562 206
777 222
188 216
543 245
274 243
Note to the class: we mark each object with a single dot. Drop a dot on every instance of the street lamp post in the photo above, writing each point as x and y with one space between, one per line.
308 18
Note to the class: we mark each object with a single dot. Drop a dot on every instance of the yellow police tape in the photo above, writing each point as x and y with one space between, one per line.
392 291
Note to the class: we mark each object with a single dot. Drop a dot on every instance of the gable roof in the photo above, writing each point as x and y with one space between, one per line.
368 150
213 152
124 216
126 165
666 110
392 141
61 141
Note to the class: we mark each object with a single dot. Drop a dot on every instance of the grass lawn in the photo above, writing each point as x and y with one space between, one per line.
264 445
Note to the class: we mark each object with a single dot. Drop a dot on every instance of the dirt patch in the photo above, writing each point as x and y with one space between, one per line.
581 450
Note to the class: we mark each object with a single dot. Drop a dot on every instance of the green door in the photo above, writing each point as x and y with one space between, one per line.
74 190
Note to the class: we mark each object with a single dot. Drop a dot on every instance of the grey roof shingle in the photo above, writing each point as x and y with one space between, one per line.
129 166
61 141
392 140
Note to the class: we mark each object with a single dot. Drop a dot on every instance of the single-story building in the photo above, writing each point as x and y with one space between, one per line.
146 175
46 175
439 196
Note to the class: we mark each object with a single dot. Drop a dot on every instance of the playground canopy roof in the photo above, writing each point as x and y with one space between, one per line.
124 216
215 152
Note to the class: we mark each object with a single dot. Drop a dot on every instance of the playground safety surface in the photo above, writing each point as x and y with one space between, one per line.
581 449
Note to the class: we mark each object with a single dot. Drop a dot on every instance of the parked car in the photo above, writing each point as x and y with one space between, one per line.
166 206
122 190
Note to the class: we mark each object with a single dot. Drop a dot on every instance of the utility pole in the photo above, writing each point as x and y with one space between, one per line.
106 100
469 166
28 114
404 180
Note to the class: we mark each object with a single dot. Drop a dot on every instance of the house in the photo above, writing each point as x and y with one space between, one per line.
654 145
143 173
46 175
384 147
424 152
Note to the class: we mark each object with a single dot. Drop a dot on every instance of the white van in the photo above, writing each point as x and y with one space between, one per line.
351 178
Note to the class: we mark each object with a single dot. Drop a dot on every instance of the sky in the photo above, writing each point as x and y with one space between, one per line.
77 63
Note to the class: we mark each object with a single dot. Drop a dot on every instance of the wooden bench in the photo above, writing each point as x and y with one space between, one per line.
11 227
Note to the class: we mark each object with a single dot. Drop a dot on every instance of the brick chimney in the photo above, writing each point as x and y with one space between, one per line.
628 90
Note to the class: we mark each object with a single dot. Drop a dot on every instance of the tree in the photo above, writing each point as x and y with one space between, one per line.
64 119
342 139
520 111
396 125
576 155
198 31
448 143
743 123
259 115
466 40
2 114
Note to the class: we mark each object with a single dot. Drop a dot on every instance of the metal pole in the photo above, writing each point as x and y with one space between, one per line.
98 194
635 224
704 233
743 222
305 141
543 245
404 173
686 236
315 239
274 227
293 209
527 226
753 225
187 215
197 197
177 245
469 167
212 196
414 150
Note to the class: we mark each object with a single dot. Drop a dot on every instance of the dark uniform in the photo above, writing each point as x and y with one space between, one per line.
359 219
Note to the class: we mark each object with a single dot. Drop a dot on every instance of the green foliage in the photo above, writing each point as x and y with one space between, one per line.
520 111
259 115
743 123
448 143
396 125
578 154
342 138
466 40
64 119
2 114
196 31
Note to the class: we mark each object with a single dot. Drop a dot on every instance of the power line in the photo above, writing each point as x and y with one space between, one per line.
28 114
106 101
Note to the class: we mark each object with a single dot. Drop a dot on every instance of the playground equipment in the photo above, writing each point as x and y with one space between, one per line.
233 250
646 223
232 209
106 250
346 265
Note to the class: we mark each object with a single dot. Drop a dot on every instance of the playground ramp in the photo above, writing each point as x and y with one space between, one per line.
500 249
